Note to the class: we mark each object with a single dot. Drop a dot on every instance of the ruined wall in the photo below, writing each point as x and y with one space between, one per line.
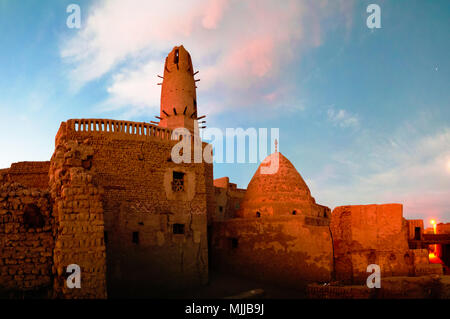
29 174
443 228
26 239
228 199
156 238
286 250
370 234
413 224
79 222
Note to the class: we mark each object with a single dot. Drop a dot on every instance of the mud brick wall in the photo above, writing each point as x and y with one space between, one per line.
79 222
412 225
29 174
401 287
228 199
282 250
442 228
156 239
26 238
370 234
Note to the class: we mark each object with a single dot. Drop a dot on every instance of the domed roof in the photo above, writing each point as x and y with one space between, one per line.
277 188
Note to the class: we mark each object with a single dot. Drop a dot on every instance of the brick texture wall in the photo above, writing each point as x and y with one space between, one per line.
146 255
26 239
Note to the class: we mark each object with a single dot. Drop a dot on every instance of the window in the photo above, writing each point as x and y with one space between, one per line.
176 57
105 236
294 212
237 206
220 209
178 182
258 214
233 243
32 217
178 229
135 239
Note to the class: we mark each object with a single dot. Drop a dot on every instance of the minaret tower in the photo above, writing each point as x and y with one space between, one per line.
178 93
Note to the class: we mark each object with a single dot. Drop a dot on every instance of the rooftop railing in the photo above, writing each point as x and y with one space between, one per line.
114 126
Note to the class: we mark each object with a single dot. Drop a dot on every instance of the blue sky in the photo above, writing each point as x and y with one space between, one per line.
364 114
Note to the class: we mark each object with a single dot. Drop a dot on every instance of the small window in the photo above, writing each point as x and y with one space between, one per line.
32 217
176 57
105 236
221 209
294 212
258 214
135 239
237 206
178 229
234 242
178 182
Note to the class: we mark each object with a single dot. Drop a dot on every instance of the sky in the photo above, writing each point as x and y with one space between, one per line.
363 114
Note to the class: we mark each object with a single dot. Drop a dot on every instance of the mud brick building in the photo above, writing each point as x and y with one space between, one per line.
114 201
279 234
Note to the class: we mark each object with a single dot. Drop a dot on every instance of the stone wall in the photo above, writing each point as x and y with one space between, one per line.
285 250
79 222
26 239
370 234
156 238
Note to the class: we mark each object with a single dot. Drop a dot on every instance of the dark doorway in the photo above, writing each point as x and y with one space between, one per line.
417 233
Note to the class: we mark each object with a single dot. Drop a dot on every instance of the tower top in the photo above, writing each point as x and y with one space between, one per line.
178 92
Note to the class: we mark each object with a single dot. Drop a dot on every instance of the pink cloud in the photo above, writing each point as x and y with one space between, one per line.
214 13
253 58
239 46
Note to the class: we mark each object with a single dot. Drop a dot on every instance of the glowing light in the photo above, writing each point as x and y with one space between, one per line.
432 255
433 222
434 259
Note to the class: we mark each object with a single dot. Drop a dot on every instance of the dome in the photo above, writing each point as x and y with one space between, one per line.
277 190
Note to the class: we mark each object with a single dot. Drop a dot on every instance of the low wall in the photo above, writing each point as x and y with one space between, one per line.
370 234
26 239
